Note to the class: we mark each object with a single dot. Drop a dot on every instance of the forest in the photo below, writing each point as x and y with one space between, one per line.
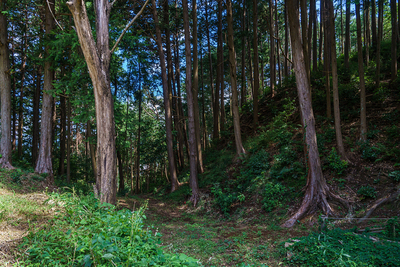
201 133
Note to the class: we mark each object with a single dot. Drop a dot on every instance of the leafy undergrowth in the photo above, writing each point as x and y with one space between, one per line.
88 233
341 248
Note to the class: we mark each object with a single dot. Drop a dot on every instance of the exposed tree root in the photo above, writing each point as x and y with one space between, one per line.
314 200
379 202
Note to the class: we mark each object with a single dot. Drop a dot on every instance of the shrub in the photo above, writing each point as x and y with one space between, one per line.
335 163
274 194
368 151
340 248
395 175
367 191
89 233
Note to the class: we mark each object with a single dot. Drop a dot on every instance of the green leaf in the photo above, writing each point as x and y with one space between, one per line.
108 256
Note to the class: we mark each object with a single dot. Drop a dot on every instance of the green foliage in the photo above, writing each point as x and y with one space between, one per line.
88 233
392 228
336 164
273 195
367 191
224 198
395 175
340 248
368 151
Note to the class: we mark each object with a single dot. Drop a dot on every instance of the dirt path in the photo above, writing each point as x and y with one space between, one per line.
19 212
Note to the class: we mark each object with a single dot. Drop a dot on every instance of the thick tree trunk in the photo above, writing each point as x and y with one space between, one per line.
335 81
272 48
255 62
98 61
195 89
44 162
167 105
363 112
232 71
192 129
303 4
5 82
317 190
347 36
393 12
315 36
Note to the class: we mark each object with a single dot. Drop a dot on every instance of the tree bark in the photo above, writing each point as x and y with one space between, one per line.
335 81
195 89
256 64
192 129
167 105
327 52
219 75
367 31
317 191
35 117
63 119
5 82
347 36
378 44
272 48
393 12
363 113
373 23
243 88
21 95
98 61
232 71
44 162
315 36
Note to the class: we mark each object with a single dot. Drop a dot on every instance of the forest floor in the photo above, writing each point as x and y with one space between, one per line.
23 207
213 239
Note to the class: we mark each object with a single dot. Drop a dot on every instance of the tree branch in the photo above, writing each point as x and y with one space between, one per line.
127 26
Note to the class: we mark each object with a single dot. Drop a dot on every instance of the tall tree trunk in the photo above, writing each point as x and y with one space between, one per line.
69 143
121 187
373 22
97 56
137 164
363 112
192 129
219 75
196 89
378 43
286 63
63 118
335 81
315 36
232 71
209 55
393 12
272 48
255 62
327 52
35 117
44 162
243 89
367 31
92 147
347 36
21 94
303 6
5 82
167 105
317 191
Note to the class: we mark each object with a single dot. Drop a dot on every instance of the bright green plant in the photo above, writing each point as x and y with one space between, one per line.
367 191
340 248
336 164
273 195
395 175
88 233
